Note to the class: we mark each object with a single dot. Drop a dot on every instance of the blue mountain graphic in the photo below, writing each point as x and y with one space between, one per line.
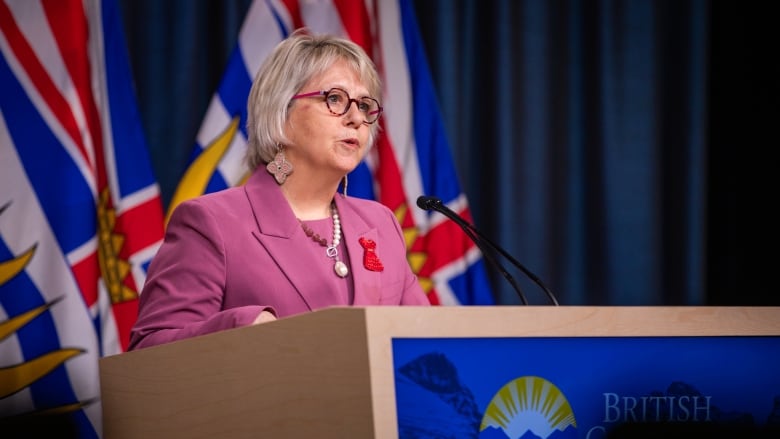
432 402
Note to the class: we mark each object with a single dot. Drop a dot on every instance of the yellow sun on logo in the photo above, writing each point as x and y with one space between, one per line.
529 403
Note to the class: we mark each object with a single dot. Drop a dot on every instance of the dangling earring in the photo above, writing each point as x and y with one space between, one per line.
344 185
280 167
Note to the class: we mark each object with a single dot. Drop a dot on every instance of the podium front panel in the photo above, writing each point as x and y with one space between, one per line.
585 387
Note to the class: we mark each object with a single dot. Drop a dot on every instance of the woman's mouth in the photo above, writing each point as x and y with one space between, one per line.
351 141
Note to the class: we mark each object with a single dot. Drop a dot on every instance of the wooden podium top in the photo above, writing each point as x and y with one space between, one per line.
540 321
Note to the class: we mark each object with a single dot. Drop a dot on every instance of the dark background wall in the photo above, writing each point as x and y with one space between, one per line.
744 107
717 247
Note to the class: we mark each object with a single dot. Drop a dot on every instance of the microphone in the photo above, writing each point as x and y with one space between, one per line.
433 203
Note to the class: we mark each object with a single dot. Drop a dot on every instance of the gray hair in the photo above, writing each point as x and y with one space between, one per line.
289 67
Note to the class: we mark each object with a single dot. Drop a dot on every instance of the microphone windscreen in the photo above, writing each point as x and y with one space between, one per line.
424 202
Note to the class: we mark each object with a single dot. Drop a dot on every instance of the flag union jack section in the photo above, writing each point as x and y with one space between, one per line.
80 210
411 158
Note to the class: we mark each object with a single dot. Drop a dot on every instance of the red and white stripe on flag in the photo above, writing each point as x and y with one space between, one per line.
80 210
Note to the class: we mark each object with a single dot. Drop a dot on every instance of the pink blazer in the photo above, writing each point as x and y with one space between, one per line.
229 255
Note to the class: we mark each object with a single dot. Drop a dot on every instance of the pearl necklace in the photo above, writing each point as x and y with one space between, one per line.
332 250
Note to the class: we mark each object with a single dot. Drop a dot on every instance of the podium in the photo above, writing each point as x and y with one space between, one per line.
334 373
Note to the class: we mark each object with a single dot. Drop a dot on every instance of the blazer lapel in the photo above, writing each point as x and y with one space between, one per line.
280 233
366 282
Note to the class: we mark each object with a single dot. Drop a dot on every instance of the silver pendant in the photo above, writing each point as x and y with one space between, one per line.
341 269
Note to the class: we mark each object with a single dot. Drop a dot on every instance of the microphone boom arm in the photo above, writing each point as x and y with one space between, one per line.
470 232
515 262
433 203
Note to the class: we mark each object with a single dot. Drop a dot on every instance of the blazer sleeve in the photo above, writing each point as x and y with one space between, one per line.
185 284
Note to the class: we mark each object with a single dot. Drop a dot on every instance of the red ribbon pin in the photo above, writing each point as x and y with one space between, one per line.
370 259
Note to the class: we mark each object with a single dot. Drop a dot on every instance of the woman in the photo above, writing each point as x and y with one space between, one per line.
286 242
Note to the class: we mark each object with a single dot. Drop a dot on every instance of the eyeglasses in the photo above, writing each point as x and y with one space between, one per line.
338 102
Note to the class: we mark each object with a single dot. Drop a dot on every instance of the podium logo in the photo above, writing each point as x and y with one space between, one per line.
528 407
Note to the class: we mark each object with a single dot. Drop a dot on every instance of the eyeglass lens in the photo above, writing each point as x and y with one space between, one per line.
339 101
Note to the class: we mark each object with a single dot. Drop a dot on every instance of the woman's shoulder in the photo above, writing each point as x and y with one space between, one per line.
370 211
366 205
220 201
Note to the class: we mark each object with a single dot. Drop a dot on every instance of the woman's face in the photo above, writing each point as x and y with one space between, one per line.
321 143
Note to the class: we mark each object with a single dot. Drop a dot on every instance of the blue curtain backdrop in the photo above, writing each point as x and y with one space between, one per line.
618 149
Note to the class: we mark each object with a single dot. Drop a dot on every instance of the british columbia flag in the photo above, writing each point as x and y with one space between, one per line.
80 211
411 158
